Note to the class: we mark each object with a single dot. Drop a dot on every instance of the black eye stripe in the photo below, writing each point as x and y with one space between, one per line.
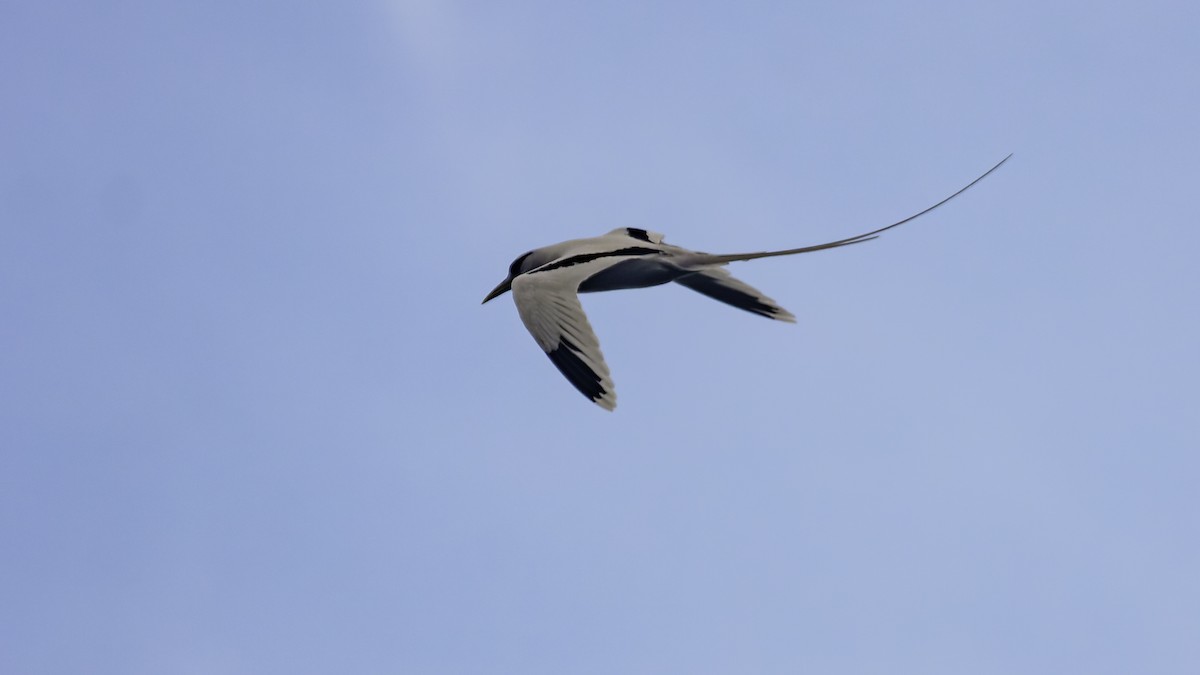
515 268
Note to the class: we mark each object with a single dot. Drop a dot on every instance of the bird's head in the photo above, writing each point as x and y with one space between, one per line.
519 266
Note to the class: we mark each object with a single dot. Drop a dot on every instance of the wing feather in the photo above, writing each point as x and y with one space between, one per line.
639 234
550 309
718 284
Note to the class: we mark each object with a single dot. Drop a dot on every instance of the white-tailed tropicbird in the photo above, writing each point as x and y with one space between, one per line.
546 283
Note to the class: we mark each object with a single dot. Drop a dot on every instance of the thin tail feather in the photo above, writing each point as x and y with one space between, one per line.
711 259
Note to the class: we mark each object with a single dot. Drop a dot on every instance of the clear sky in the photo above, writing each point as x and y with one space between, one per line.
253 418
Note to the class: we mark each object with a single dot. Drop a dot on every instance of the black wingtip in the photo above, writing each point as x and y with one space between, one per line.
713 288
566 358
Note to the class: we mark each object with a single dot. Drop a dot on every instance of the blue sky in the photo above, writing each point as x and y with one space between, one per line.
253 418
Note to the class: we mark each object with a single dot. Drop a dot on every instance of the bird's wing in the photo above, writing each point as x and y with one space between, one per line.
549 307
719 284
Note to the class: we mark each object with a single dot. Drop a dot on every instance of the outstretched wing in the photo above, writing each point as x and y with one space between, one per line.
549 307
719 284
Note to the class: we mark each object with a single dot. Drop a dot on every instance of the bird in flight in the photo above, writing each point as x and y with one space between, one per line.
546 283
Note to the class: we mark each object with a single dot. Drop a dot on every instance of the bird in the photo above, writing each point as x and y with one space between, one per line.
546 283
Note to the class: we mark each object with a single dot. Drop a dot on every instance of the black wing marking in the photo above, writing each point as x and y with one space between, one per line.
718 284
587 381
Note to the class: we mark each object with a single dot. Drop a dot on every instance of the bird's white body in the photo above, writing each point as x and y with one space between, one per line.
546 283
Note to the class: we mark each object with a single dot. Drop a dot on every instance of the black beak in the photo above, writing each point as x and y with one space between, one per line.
504 287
